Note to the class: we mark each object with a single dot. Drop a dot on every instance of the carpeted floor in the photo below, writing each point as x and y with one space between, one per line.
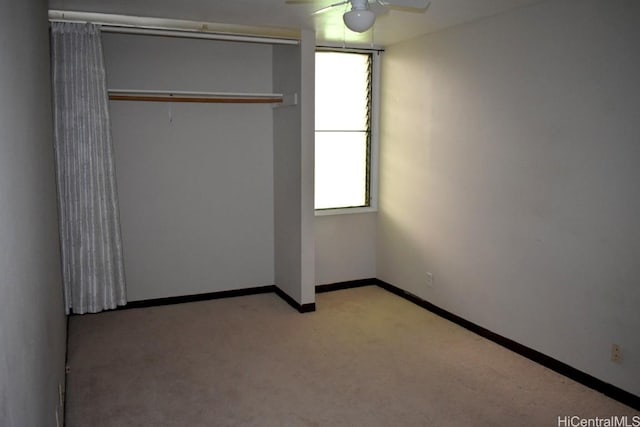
365 358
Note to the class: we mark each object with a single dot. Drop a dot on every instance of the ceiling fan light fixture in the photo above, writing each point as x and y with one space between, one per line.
359 20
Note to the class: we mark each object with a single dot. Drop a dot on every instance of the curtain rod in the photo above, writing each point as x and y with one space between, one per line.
349 49
195 35
177 28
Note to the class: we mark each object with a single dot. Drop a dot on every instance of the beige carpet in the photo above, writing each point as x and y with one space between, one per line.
365 358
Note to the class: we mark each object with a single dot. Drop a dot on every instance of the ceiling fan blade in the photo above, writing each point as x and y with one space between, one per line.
327 8
406 4
378 9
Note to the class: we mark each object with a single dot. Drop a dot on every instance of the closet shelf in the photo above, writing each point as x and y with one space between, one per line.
200 97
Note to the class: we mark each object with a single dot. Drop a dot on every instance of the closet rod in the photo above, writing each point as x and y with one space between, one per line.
200 97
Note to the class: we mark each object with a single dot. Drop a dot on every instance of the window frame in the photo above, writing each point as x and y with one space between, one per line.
374 146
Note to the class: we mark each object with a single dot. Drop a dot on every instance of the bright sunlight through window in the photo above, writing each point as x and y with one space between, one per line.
343 104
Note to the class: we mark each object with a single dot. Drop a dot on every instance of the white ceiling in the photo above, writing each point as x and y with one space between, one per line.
390 28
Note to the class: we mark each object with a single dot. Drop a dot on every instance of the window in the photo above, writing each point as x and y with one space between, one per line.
343 134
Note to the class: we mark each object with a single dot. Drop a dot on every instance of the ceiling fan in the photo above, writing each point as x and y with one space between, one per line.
363 12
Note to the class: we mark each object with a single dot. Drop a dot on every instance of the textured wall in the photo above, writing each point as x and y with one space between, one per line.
293 72
509 169
195 180
32 321
345 247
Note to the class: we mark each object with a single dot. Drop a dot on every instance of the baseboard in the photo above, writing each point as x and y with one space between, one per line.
346 285
156 302
302 308
197 297
562 368
66 373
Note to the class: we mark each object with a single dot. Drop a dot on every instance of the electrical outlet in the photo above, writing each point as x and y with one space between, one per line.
616 353
429 279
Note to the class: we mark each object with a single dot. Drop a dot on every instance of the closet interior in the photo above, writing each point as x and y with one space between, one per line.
213 146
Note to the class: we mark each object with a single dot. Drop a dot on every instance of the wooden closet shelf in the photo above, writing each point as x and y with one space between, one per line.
196 97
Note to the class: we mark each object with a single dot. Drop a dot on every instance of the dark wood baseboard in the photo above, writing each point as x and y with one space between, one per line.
197 297
155 302
562 368
346 285
302 308
66 373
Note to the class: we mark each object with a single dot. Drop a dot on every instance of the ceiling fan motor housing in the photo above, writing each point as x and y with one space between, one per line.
359 18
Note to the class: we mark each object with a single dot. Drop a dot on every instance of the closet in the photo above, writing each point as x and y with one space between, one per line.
215 193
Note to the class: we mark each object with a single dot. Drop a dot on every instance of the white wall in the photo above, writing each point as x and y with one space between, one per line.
509 169
293 145
345 247
287 174
195 181
32 321
307 72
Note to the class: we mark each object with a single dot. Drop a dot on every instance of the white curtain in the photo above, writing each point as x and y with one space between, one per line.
93 271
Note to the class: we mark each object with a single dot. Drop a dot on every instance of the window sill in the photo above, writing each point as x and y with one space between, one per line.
346 211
